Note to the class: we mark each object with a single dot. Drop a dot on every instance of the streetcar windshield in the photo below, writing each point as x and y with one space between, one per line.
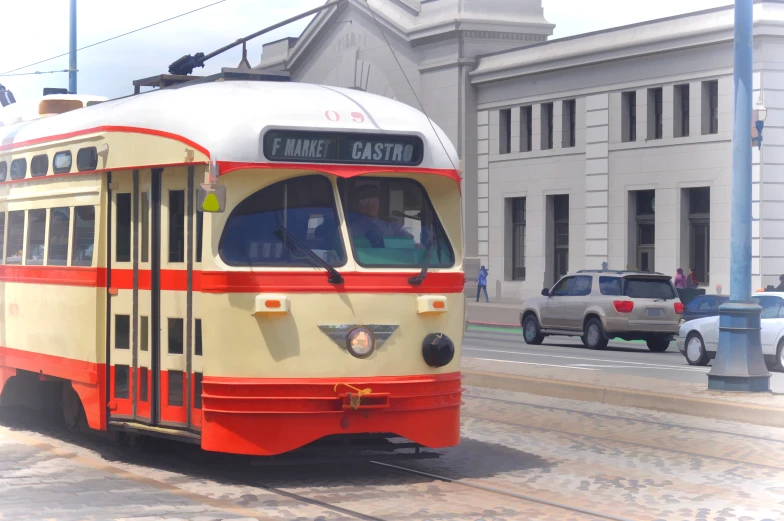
304 207
392 223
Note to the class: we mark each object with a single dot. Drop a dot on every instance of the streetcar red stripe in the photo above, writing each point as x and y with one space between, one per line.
224 167
106 128
235 281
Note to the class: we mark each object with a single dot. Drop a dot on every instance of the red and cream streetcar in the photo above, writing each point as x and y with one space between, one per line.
248 265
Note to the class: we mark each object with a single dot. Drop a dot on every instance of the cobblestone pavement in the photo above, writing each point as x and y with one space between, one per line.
521 451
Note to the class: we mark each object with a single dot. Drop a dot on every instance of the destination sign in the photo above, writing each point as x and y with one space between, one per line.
326 147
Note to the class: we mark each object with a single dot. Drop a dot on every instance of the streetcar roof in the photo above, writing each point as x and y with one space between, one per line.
228 119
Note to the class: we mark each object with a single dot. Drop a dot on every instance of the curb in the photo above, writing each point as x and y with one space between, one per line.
692 406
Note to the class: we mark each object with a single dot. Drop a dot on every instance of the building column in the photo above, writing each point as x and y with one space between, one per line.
596 180
768 169
483 180
756 173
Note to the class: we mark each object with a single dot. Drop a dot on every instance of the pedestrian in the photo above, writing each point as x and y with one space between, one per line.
604 266
680 280
692 280
780 287
481 280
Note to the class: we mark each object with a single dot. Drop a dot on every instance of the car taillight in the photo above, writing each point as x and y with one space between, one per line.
623 306
679 308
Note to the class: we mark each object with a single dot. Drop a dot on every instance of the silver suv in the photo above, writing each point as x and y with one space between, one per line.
600 305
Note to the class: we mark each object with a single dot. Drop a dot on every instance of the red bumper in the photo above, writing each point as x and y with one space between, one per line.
273 416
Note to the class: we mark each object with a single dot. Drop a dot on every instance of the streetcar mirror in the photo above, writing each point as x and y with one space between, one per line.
212 198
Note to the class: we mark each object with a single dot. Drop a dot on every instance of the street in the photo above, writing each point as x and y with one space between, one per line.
521 457
629 358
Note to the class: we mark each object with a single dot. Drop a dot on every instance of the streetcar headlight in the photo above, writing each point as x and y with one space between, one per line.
360 342
438 350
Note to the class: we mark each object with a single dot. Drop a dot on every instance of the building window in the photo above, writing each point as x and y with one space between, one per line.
561 235
681 110
568 120
526 129
710 107
629 117
518 238
645 217
699 233
655 113
505 131
547 126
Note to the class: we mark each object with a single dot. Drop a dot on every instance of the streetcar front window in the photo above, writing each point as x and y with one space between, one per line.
392 223
258 232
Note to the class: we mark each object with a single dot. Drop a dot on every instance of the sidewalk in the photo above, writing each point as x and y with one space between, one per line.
496 313
626 390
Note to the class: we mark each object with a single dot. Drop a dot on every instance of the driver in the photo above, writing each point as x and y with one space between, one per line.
366 221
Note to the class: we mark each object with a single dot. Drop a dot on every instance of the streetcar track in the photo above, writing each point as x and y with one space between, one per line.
632 443
502 492
624 418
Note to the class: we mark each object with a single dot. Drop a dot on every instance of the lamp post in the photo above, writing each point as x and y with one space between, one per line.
739 364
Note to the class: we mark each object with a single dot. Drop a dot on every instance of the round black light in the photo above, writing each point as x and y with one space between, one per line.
438 350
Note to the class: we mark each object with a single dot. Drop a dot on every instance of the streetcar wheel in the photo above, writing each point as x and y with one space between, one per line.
73 412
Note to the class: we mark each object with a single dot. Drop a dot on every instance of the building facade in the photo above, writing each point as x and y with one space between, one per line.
610 147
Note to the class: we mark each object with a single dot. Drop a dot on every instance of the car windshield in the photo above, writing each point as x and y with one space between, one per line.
648 288
392 223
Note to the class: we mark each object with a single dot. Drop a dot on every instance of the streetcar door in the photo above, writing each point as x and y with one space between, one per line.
178 362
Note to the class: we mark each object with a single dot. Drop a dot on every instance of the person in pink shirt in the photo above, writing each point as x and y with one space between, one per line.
680 279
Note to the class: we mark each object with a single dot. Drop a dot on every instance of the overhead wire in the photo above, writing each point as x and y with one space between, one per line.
8 73
421 106
36 72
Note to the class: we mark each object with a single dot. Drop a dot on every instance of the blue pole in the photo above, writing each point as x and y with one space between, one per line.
72 51
739 364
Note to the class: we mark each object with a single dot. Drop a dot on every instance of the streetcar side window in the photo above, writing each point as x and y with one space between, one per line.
18 168
199 234
123 228
16 222
3 170
177 226
2 235
59 226
260 229
84 236
39 165
36 233
87 159
61 164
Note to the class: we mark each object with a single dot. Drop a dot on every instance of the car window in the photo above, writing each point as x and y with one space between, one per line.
708 304
771 306
649 288
562 288
581 287
610 286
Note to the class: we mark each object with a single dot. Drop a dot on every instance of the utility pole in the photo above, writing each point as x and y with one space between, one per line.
739 364
72 52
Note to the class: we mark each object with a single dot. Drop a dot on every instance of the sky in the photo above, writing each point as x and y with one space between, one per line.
33 30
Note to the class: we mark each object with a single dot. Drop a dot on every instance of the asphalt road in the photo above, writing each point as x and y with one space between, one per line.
631 358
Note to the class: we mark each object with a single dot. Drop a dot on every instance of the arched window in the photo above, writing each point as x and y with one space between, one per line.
304 206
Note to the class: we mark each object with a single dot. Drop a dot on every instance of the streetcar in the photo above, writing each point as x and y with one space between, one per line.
250 266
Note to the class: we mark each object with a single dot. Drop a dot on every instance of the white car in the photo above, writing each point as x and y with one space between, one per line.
698 339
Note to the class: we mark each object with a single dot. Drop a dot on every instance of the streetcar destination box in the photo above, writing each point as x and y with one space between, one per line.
351 148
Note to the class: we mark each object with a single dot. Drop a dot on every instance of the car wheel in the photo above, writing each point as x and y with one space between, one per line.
532 332
695 350
594 337
779 365
657 344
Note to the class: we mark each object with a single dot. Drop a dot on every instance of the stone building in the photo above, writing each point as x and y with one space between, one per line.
613 146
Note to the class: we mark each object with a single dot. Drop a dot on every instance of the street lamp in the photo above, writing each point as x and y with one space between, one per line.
739 363
758 115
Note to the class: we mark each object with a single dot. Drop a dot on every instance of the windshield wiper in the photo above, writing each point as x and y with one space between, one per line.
419 279
334 276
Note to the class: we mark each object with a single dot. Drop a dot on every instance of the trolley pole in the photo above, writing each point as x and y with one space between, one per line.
739 364
72 52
